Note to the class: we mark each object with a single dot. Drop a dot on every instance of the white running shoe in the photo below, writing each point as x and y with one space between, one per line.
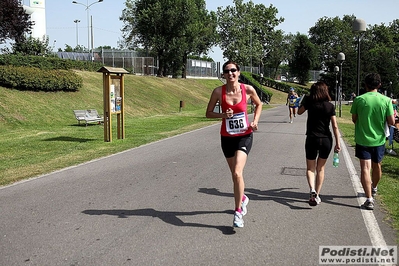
374 191
244 205
318 200
238 221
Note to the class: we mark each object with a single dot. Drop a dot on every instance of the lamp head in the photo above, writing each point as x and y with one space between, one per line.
359 25
341 57
336 69
74 2
100 0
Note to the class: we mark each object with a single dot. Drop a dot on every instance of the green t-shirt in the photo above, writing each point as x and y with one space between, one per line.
372 109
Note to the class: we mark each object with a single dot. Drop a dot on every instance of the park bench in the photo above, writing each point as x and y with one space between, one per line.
88 116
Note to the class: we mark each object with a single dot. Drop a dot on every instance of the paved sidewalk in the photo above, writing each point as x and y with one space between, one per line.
170 203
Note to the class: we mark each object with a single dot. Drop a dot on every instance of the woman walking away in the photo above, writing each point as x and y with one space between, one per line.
319 141
236 133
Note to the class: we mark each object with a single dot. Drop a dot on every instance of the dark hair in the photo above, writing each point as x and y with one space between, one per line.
319 92
372 81
231 62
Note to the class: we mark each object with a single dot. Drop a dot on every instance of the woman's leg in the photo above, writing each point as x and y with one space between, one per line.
310 172
321 163
236 165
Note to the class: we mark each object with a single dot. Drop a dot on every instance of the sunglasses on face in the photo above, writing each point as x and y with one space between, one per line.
232 70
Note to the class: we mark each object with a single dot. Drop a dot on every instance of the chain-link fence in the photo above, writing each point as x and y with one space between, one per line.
314 75
136 63
127 59
198 68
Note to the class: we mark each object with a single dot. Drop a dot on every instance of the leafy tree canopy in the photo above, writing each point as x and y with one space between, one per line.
14 22
303 59
378 46
173 29
246 31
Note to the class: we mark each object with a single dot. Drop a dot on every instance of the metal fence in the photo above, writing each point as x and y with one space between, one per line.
198 68
141 65
314 75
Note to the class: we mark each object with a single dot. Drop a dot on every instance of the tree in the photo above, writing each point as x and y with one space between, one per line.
303 59
279 51
380 54
14 22
247 31
379 51
200 34
32 46
332 36
171 28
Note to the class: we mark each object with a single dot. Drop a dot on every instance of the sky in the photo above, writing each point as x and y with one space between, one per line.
299 16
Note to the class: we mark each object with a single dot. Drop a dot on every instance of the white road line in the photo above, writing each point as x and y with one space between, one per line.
373 229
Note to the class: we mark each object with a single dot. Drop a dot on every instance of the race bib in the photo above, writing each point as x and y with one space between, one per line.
236 124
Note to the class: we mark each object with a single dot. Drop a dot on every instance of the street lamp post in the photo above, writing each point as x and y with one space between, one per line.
336 70
87 8
251 48
341 59
77 32
250 43
358 26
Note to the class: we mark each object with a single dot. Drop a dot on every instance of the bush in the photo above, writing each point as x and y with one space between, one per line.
48 63
264 94
285 87
35 79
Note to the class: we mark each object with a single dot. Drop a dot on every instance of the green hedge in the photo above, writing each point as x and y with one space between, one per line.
263 93
36 79
282 86
47 63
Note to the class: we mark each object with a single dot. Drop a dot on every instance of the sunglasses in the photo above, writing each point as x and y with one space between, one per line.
226 71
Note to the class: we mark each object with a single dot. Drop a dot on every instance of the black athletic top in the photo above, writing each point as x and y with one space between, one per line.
319 117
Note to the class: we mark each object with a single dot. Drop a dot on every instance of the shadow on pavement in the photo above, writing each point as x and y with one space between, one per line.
284 196
167 217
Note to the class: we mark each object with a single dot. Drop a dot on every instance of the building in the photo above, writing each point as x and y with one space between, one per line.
37 12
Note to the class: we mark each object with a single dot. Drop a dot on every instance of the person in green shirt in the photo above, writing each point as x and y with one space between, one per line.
370 113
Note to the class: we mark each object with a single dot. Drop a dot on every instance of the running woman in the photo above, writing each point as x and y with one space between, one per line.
291 102
236 131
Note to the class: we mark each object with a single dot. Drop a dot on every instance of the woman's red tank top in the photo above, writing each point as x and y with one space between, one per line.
238 124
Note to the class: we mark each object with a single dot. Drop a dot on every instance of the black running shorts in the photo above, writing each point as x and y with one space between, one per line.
320 146
232 144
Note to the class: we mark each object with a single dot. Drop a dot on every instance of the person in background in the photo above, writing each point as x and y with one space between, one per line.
291 99
390 151
395 110
236 131
370 113
319 140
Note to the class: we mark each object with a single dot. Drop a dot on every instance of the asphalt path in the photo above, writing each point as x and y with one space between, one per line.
170 203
